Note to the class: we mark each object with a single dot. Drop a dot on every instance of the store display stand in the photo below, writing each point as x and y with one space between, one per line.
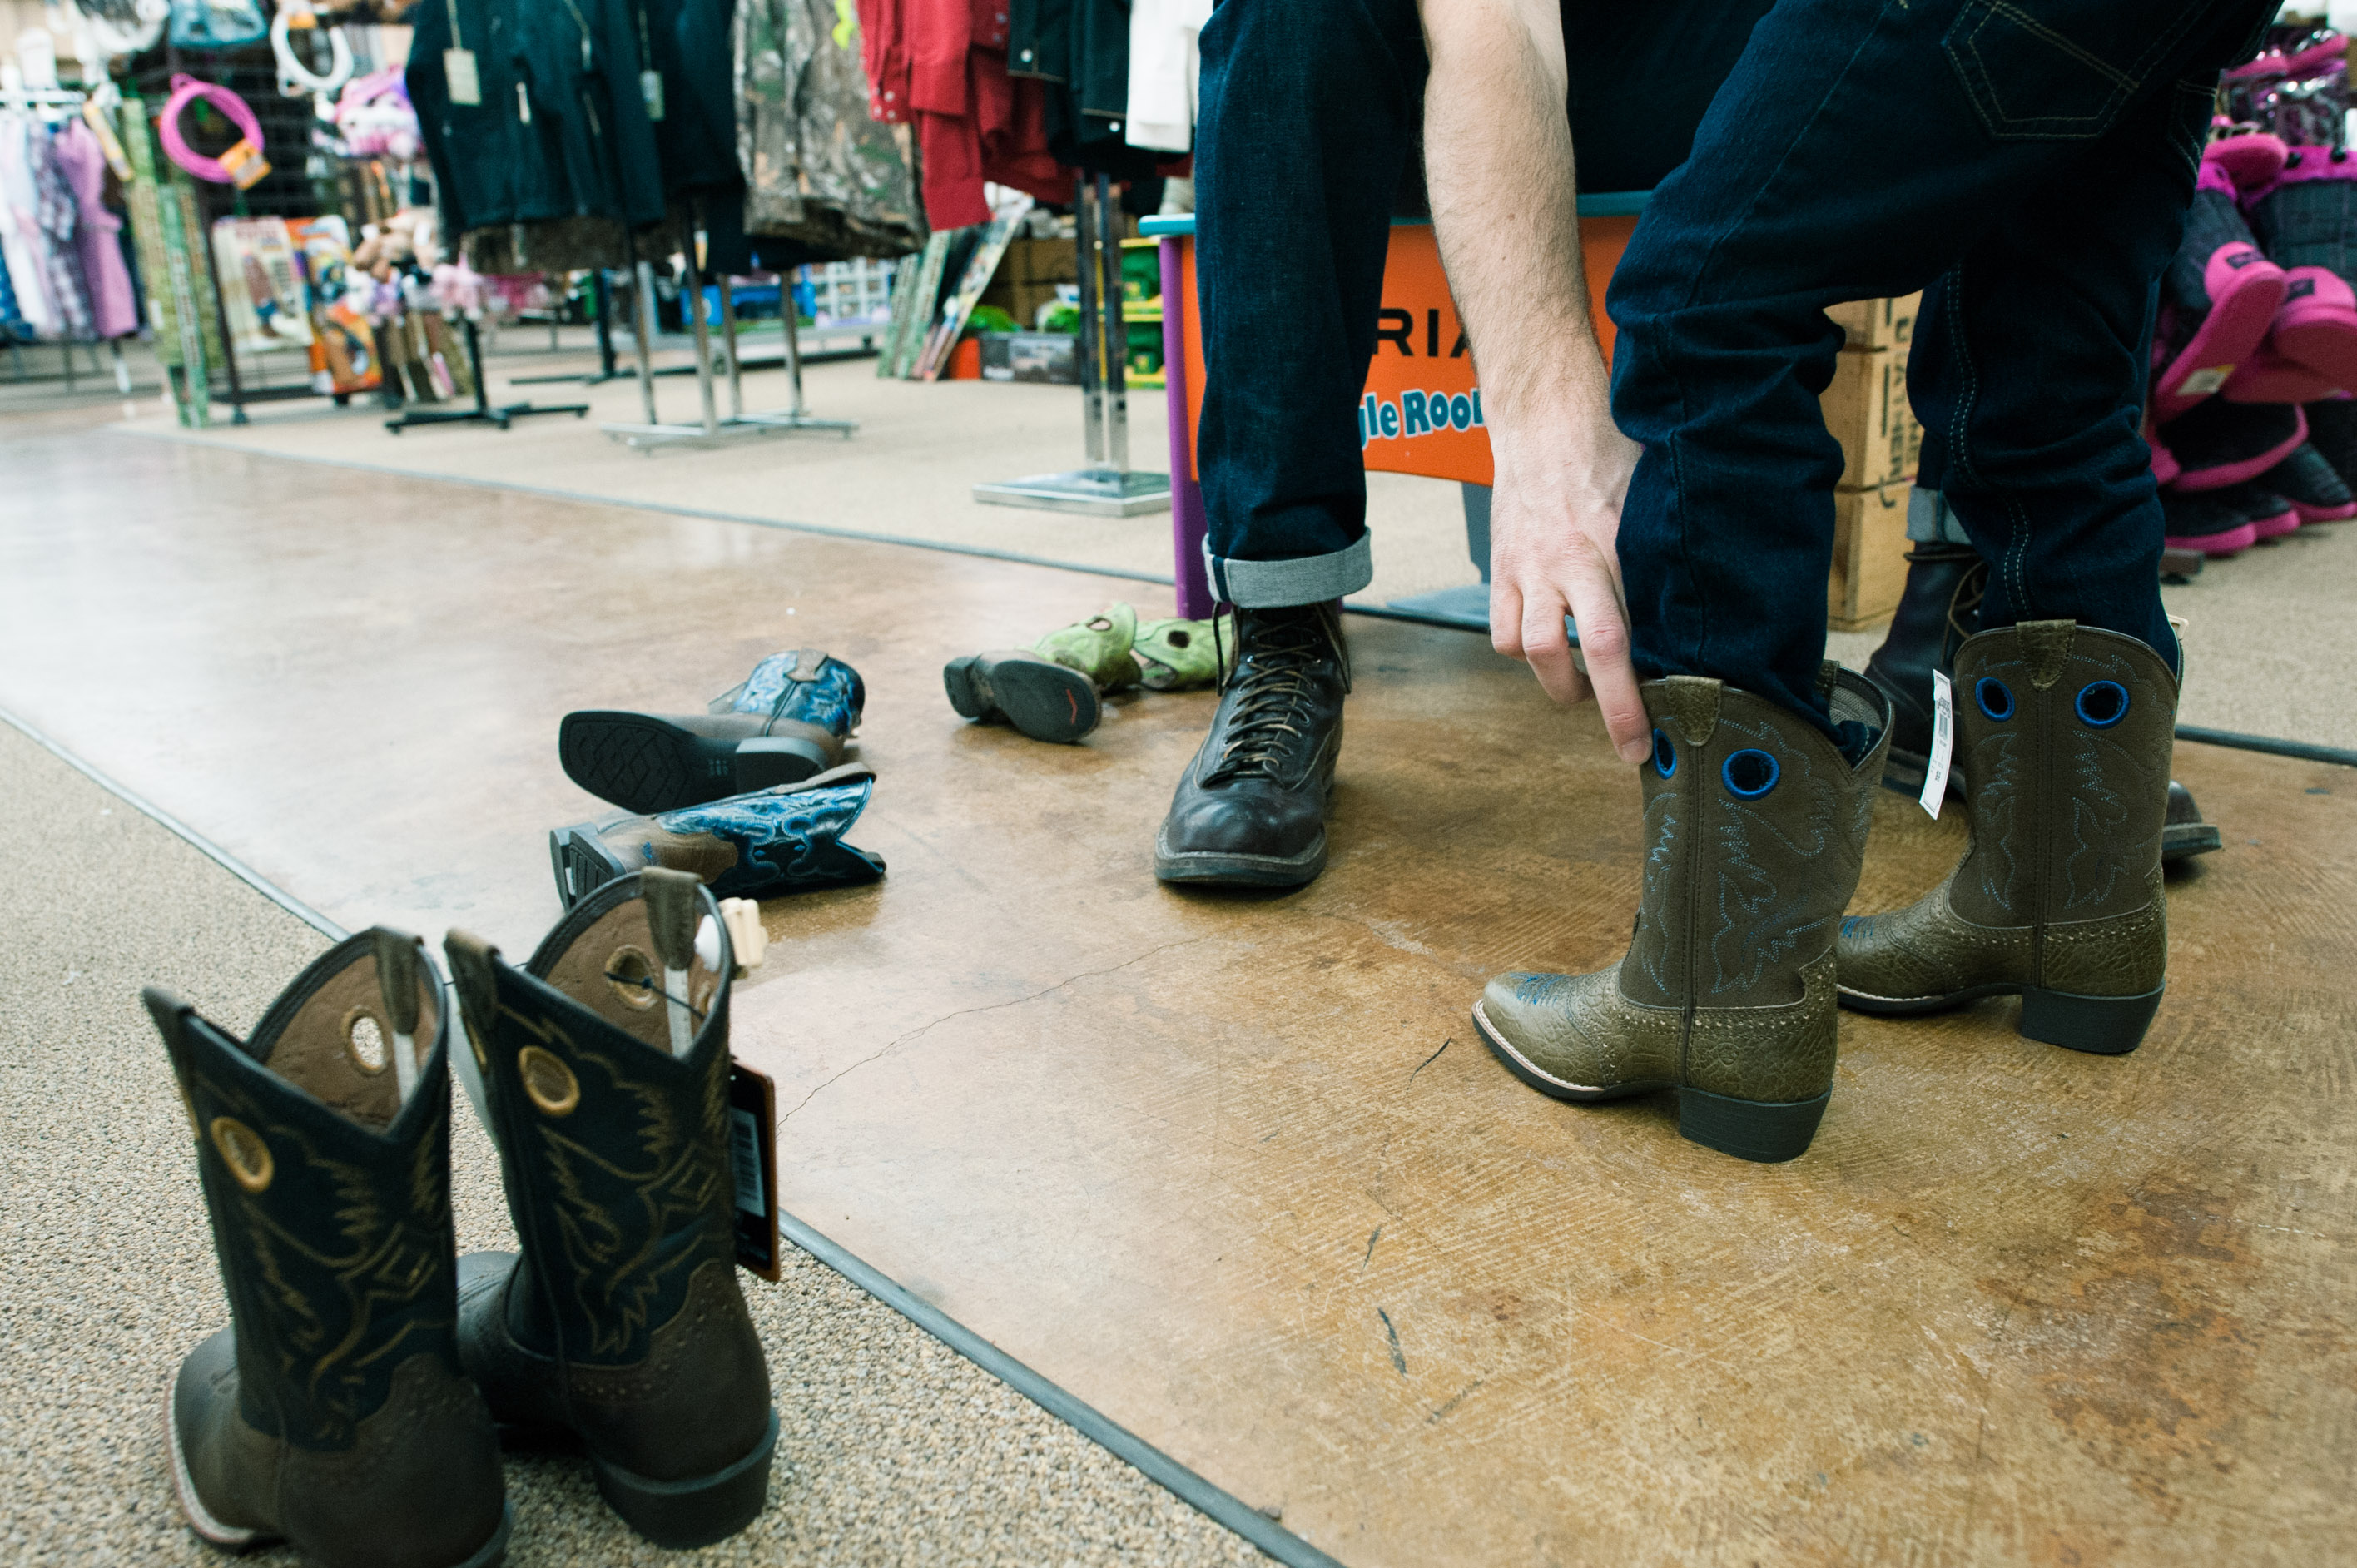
605 372
1107 486
482 412
712 429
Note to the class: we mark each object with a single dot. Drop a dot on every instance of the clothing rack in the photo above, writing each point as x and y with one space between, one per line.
482 412
16 95
603 294
653 432
1107 486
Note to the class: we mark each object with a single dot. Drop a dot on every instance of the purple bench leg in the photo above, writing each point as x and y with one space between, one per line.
1186 496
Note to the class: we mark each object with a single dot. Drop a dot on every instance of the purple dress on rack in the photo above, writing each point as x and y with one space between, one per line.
57 216
113 309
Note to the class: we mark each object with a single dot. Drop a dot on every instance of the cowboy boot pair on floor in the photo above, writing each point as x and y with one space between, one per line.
1755 831
355 1404
752 796
1052 690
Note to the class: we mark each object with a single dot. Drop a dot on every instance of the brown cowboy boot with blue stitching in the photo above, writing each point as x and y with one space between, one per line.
2066 733
1754 828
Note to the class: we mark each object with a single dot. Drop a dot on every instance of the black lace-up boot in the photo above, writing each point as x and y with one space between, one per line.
1251 808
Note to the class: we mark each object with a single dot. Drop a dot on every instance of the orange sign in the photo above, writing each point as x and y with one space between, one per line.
1421 413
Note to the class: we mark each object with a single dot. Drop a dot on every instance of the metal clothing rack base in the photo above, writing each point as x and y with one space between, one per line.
651 434
1108 487
482 412
605 372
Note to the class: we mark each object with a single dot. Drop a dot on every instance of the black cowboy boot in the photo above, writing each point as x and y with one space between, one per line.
605 1061
332 1412
1939 607
1251 808
788 720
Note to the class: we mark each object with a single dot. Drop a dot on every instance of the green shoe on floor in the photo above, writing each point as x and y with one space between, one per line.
1048 690
1098 647
1183 655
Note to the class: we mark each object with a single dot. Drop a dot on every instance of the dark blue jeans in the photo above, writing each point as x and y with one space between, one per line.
1308 143
2029 162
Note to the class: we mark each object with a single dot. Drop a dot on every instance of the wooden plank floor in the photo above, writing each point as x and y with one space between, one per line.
1236 1170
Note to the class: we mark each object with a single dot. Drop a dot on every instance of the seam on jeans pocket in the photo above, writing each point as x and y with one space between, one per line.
2033 60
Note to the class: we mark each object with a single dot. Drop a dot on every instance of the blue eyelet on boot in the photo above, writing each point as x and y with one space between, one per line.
1995 698
2102 704
1665 756
1759 767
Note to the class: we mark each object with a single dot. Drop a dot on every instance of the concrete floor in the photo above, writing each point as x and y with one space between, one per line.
1227 1168
894 1448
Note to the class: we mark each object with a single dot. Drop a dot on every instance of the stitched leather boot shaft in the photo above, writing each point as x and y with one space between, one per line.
605 1063
2067 733
1754 828
333 1412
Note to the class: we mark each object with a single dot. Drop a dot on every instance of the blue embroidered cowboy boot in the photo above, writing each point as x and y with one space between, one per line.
784 840
332 1412
1755 830
605 1065
787 721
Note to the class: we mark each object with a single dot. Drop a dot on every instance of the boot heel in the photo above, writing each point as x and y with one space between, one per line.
2102 1025
964 690
695 1512
1767 1131
773 759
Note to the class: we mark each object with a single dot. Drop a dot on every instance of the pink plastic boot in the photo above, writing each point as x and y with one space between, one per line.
2218 297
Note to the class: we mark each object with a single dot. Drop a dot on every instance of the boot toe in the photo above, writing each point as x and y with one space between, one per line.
1243 819
1549 1031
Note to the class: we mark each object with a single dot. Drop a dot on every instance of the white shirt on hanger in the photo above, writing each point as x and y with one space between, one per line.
1164 68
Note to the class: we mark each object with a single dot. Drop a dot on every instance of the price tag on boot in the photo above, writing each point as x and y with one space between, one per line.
458 72
1943 741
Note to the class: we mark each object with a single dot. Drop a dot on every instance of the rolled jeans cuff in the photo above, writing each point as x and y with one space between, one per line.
1308 580
1931 520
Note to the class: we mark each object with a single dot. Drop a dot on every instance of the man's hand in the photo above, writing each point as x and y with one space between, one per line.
1497 153
1554 515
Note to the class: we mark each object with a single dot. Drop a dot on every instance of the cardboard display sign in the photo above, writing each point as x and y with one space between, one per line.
1421 412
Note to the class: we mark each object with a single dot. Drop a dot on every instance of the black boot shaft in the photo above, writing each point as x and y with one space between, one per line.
1938 608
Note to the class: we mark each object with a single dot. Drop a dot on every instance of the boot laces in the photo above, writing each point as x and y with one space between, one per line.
1272 687
1965 608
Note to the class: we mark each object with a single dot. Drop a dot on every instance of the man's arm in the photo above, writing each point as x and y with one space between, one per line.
1497 153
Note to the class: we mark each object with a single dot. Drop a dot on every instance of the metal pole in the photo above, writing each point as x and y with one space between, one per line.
1117 334
1092 327
793 343
602 294
642 313
703 337
728 348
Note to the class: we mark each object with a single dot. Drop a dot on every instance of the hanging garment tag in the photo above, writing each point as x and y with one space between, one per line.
651 88
524 105
753 1163
245 164
459 70
1944 740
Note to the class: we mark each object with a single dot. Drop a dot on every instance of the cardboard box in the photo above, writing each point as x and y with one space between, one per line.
1868 324
1865 409
1869 555
1028 275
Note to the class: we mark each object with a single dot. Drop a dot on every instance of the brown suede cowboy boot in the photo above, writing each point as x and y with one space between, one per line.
1755 827
2066 732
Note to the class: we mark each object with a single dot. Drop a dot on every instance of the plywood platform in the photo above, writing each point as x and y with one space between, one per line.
1236 1170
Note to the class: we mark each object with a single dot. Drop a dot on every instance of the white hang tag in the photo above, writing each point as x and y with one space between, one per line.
651 88
458 72
1944 740
524 105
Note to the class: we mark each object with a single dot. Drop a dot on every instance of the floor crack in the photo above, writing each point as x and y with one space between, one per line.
898 1040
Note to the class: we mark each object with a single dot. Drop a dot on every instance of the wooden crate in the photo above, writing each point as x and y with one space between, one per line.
1869 555
1865 409
1868 324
